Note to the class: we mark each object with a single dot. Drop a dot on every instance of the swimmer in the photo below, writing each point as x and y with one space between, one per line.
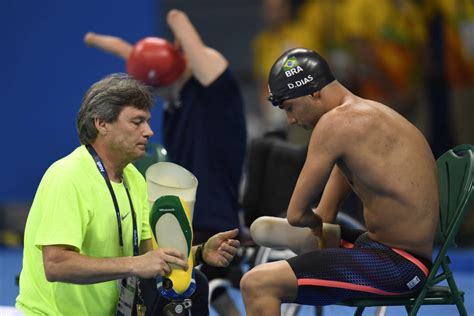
359 145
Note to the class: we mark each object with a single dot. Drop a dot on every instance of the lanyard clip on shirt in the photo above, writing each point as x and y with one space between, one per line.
103 172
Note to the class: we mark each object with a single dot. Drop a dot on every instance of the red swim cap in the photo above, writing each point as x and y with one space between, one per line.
156 62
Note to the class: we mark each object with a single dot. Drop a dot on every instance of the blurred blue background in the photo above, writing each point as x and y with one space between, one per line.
46 70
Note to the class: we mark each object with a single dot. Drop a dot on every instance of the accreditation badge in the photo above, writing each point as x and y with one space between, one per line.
127 289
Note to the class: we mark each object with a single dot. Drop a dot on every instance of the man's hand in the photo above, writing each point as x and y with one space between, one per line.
157 262
220 249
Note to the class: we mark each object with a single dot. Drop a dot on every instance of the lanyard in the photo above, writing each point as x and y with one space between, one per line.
103 172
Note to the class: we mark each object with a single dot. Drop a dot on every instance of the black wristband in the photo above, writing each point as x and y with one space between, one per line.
198 255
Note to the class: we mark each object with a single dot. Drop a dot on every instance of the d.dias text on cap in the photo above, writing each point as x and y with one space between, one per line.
299 83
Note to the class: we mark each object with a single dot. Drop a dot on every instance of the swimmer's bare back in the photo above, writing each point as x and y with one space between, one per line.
390 166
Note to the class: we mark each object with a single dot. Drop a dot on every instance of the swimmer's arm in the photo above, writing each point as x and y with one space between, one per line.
334 194
206 63
320 161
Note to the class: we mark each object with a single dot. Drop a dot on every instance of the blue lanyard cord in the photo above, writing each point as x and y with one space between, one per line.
134 218
103 172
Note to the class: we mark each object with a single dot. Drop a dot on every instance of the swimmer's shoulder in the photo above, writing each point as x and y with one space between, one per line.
350 114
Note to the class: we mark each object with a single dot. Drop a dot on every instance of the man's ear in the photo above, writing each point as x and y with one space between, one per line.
101 126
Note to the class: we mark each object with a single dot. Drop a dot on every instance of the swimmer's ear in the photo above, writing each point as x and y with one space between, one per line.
316 94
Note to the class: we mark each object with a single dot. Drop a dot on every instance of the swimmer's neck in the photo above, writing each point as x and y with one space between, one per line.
335 94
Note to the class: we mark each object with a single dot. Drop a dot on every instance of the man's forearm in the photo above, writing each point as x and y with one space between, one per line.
71 267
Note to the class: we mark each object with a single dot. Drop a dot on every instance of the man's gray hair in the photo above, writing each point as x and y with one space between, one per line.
105 100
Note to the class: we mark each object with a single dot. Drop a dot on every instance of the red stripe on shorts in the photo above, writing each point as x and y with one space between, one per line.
414 260
345 285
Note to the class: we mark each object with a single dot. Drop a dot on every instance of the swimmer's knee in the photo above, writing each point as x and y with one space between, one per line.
275 279
251 283
256 281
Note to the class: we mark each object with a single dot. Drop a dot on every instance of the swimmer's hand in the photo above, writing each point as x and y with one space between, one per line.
317 230
316 224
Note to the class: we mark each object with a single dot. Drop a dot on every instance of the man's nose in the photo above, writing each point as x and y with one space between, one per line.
148 132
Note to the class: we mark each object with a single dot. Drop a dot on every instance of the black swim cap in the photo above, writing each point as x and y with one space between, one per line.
298 72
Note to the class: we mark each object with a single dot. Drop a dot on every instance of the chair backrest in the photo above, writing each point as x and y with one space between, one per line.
456 178
272 169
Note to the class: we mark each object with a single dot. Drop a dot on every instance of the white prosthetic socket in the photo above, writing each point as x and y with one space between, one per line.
172 193
167 178
276 232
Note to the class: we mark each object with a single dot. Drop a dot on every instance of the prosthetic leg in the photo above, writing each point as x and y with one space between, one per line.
171 224
172 191
277 233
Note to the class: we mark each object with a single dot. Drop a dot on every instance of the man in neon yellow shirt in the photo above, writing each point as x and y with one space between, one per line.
78 236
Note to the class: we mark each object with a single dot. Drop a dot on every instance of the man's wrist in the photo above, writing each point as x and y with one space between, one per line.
131 263
198 256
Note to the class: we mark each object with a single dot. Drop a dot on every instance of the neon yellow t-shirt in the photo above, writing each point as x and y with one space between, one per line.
73 206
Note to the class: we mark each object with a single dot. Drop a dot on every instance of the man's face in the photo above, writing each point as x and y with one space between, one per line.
300 111
129 134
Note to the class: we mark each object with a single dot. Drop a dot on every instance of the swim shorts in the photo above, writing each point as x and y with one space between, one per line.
361 267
